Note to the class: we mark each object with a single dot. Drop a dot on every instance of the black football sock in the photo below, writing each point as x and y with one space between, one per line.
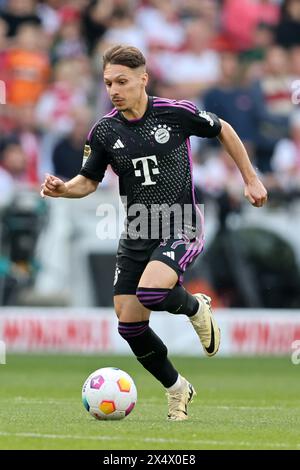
149 350
176 300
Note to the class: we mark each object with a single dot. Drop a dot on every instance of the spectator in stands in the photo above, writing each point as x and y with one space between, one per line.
95 21
241 17
3 48
27 66
264 37
54 109
48 13
207 9
69 90
232 99
122 28
68 43
273 104
217 177
294 61
189 9
286 158
188 73
67 155
26 133
217 174
3 36
161 25
19 12
6 186
13 165
288 30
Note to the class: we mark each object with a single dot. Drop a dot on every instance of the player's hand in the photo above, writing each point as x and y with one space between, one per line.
256 193
53 187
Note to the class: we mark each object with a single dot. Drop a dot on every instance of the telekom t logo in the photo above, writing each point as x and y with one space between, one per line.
146 168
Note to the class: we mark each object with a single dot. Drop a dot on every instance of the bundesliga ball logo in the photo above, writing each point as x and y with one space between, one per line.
109 394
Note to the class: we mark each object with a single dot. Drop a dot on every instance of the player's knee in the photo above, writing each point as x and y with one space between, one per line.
156 282
125 309
152 284
119 308
152 298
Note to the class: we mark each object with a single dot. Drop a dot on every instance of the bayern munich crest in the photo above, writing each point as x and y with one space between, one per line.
161 133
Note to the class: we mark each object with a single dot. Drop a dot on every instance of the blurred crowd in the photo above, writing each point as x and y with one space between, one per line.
237 58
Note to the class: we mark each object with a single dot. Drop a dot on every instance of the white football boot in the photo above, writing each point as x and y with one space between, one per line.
178 401
206 326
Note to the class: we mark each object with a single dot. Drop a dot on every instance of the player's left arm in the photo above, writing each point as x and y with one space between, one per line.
254 191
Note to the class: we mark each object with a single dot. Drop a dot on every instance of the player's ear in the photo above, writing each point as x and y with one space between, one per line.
145 78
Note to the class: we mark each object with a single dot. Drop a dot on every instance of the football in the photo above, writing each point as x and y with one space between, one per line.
109 393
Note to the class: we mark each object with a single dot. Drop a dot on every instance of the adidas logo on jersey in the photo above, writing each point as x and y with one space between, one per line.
118 145
208 118
170 254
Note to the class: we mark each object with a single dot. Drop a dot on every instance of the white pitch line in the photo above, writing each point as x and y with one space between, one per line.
147 439
53 401
278 408
30 401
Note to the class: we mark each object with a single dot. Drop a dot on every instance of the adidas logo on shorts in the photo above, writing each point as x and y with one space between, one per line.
170 254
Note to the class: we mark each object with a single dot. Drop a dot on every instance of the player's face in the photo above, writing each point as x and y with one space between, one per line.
124 85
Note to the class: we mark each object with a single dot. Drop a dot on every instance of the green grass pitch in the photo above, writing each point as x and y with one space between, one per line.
250 403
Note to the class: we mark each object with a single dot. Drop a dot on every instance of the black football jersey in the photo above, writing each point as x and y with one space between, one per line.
151 155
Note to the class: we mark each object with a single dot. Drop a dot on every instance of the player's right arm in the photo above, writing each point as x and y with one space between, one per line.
77 187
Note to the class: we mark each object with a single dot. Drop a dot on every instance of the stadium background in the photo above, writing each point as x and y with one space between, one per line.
237 58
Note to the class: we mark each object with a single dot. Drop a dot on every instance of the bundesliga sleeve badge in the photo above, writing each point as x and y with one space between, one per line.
86 153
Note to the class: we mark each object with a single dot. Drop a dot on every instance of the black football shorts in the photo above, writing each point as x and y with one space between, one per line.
134 255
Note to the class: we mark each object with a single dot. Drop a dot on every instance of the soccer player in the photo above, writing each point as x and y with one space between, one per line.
145 139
